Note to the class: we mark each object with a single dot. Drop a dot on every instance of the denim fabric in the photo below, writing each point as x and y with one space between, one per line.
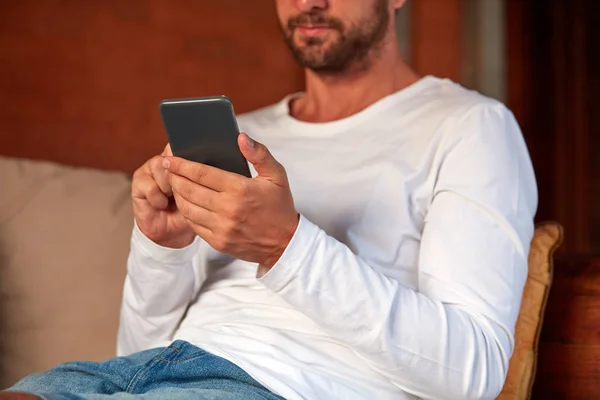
180 371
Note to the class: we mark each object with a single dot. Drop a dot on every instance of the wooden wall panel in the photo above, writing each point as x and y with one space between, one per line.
80 81
593 40
549 49
436 38
569 352
549 88
550 78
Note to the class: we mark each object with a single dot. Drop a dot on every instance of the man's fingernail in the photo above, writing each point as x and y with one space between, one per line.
166 163
249 141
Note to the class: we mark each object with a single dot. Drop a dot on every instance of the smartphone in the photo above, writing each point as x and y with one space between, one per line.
204 130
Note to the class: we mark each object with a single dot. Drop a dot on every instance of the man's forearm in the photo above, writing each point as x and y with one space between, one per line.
159 285
424 346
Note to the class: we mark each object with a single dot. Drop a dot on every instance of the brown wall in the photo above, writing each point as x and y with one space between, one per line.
569 353
80 81
436 28
551 77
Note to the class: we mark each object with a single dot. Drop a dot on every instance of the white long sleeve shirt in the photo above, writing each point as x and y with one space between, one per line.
404 277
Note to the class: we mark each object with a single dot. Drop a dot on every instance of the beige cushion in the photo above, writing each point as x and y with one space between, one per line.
64 239
521 372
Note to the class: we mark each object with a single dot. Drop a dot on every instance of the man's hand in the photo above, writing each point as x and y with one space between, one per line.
249 219
154 208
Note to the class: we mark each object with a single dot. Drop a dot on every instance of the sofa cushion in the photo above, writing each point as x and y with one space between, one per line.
64 239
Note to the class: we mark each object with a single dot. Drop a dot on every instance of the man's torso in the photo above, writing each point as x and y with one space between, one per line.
367 181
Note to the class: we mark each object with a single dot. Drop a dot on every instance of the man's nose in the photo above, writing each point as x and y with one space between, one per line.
307 5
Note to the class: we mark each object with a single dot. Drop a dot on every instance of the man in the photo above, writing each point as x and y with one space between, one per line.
379 252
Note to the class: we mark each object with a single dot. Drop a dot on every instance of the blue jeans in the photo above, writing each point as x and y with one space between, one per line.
180 371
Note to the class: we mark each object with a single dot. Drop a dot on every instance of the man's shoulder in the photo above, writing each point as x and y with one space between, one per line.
453 100
446 114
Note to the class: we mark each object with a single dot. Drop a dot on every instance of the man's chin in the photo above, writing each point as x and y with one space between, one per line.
312 52
311 61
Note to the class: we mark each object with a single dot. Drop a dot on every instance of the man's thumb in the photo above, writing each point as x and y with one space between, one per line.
260 157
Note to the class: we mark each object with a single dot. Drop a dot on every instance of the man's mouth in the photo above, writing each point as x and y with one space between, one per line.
313 30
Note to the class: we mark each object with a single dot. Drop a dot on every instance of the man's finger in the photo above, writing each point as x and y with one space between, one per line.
194 193
160 175
201 231
205 175
261 158
167 151
145 187
196 214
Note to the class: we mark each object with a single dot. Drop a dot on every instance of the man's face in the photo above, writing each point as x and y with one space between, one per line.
330 36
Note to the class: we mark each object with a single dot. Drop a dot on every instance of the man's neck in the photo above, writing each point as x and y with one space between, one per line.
332 97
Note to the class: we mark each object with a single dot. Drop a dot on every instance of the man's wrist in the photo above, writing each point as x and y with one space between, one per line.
175 242
286 237
165 255
297 258
170 240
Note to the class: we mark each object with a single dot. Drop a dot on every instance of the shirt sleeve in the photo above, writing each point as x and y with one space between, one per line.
159 286
453 337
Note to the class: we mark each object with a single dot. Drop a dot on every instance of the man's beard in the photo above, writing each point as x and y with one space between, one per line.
349 49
